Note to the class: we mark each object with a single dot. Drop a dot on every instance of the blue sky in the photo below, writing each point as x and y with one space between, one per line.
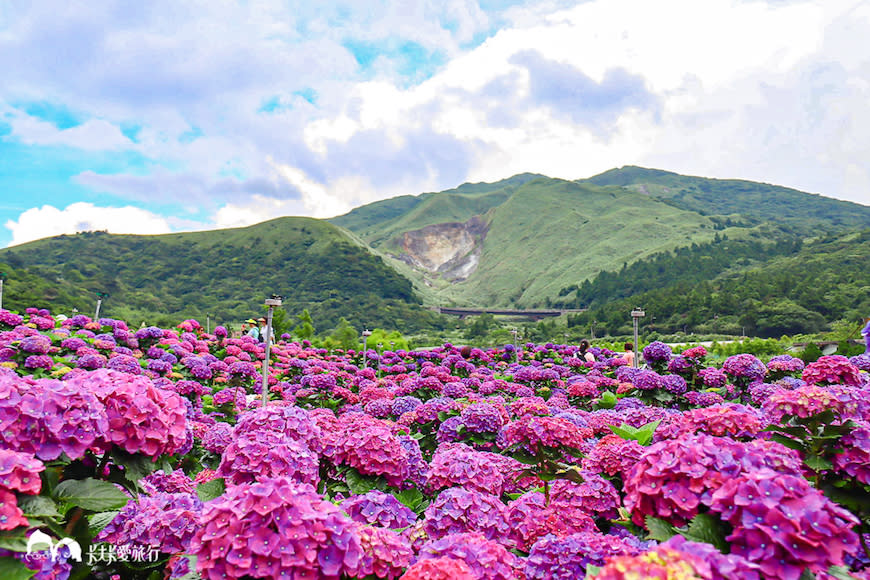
175 116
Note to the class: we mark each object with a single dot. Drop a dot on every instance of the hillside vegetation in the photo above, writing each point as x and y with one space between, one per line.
224 273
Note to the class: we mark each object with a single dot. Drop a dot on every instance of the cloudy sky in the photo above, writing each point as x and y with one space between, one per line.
158 116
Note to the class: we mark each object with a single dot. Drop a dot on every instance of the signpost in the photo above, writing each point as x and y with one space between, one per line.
100 297
366 334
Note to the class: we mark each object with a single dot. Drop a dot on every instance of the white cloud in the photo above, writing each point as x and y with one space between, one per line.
47 221
92 135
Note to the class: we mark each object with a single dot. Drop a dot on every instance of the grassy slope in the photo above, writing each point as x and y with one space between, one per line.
226 273
802 212
552 233
378 222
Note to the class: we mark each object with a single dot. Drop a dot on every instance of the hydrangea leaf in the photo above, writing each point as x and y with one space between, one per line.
13 540
707 529
38 506
97 522
91 494
659 529
210 490
12 569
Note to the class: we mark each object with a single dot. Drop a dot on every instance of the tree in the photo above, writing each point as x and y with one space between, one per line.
280 323
305 329
345 335
481 325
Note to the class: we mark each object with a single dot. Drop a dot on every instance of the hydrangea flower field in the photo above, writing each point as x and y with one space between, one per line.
149 454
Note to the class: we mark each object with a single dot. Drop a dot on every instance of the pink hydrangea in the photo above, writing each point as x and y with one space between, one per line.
467 468
440 569
612 455
255 455
487 559
722 420
20 472
832 370
802 402
141 418
674 478
855 458
458 510
536 432
370 447
49 417
385 554
275 528
379 509
530 518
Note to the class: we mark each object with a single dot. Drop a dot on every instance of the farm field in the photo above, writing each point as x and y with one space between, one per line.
154 453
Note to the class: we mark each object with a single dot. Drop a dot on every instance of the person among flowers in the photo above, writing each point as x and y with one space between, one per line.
583 351
262 323
254 331
628 355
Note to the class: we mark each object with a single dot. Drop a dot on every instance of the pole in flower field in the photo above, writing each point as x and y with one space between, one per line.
636 314
100 296
272 302
366 334
2 277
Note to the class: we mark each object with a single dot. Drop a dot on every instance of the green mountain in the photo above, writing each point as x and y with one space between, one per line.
753 202
521 242
795 292
628 236
224 273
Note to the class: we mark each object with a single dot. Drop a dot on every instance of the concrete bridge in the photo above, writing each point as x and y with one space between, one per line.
533 314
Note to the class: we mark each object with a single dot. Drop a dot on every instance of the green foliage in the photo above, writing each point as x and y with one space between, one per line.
210 490
811 353
643 435
345 336
90 494
305 329
227 273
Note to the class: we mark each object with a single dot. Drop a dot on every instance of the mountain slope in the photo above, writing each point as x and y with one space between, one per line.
757 202
826 280
225 273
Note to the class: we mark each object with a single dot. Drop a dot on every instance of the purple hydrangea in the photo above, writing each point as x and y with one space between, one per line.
745 366
566 558
164 521
457 510
657 352
379 509
482 418
487 559
257 455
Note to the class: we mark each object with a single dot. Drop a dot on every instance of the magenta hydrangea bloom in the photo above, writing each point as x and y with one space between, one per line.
530 518
439 569
49 417
385 554
217 437
783 524
487 559
20 472
566 558
832 370
164 521
371 448
458 510
612 455
722 566
661 562
855 458
536 432
712 377
482 418
595 495
11 515
467 468
673 479
379 509
802 402
722 420
291 421
745 366
141 418
174 482
258 455
275 529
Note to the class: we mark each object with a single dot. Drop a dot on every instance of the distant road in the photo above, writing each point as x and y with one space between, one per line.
533 314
